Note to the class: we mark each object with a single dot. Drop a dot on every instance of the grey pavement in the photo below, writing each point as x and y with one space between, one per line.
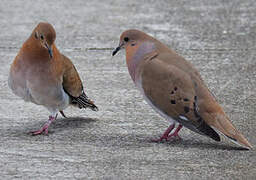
218 37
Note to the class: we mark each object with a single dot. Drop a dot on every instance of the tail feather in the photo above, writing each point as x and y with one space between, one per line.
224 125
207 130
84 102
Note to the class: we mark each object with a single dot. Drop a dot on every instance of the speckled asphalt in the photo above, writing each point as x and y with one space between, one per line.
218 37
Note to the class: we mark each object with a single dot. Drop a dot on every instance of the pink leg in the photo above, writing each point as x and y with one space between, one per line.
44 129
165 135
175 134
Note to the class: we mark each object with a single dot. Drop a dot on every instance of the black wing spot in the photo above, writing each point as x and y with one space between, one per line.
185 99
173 101
186 109
175 88
172 92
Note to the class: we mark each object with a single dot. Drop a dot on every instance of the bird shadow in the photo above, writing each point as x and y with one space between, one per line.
137 141
120 140
189 144
72 122
62 124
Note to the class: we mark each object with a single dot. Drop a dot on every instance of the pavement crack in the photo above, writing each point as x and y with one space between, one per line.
111 48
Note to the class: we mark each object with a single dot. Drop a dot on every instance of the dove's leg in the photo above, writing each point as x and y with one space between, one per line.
175 133
62 113
44 129
166 134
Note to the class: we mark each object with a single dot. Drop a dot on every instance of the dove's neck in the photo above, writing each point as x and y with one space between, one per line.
136 56
32 50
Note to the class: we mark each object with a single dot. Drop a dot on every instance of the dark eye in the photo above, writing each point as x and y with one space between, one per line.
126 39
42 37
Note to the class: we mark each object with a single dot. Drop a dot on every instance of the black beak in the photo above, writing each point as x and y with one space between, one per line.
49 50
116 50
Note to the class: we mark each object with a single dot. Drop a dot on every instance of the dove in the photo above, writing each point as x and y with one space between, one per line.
42 75
175 89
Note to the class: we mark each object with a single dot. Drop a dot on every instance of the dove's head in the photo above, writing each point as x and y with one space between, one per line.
45 35
137 45
131 39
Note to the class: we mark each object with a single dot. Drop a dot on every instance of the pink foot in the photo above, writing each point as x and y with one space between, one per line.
175 135
44 129
165 135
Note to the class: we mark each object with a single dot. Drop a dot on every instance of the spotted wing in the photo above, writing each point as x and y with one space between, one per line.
174 92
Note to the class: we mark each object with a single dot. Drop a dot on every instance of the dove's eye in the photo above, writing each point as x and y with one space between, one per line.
126 39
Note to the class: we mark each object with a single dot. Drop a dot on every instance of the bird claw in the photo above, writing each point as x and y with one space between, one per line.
39 132
158 140
173 137
43 130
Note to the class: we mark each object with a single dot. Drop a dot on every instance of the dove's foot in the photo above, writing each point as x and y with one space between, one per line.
44 129
168 137
165 135
175 135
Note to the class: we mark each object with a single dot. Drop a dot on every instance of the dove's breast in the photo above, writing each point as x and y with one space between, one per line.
17 83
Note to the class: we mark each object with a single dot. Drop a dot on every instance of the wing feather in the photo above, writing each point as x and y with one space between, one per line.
72 85
174 92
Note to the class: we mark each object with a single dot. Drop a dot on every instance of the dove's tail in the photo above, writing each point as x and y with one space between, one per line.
223 125
84 102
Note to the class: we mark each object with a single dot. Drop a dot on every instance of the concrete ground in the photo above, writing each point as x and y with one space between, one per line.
218 37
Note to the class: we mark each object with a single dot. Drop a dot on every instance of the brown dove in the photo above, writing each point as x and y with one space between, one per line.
42 75
175 89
